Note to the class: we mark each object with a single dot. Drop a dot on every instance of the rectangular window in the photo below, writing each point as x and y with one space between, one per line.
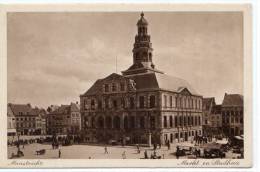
241 120
123 103
113 87
106 88
106 103
152 101
180 121
132 103
115 104
141 101
165 121
99 104
142 122
165 101
152 122
171 121
176 121
122 87
171 101
92 104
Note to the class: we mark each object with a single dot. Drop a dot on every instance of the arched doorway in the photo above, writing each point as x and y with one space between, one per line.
186 136
116 122
108 122
171 138
100 122
125 122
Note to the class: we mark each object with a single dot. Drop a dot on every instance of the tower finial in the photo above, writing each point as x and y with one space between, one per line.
142 14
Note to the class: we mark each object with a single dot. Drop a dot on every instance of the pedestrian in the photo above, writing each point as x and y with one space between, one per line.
124 155
145 154
177 152
168 144
106 152
138 148
59 153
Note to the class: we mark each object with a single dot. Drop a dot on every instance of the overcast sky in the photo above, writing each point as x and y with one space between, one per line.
55 57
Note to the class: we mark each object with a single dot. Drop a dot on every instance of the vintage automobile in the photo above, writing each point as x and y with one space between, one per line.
184 150
40 152
214 153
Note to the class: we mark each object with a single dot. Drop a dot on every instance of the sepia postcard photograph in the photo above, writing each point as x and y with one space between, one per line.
126 85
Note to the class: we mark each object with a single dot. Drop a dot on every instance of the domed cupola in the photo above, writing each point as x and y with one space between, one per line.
142 21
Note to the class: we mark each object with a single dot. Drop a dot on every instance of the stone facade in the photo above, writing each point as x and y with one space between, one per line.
143 105
65 119
11 122
233 115
27 119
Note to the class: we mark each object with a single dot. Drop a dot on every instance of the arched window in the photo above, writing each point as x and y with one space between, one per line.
100 122
108 122
116 122
144 54
150 57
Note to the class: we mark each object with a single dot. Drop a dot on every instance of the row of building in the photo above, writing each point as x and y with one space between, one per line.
23 119
141 105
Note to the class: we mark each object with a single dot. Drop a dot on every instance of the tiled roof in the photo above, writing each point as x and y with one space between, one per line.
146 81
233 100
74 107
206 102
21 109
66 109
217 109
161 81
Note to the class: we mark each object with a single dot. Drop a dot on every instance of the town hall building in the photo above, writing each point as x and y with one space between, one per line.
143 105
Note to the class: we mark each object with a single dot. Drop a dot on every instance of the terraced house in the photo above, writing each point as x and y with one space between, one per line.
233 114
28 120
64 119
143 105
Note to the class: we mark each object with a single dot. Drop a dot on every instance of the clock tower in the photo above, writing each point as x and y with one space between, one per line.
142 51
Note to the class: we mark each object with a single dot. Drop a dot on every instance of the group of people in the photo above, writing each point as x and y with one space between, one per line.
202 140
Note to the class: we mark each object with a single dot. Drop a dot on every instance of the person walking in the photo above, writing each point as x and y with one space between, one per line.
145 154
59 153
106 152
169 144
124 155
177 152
138 148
